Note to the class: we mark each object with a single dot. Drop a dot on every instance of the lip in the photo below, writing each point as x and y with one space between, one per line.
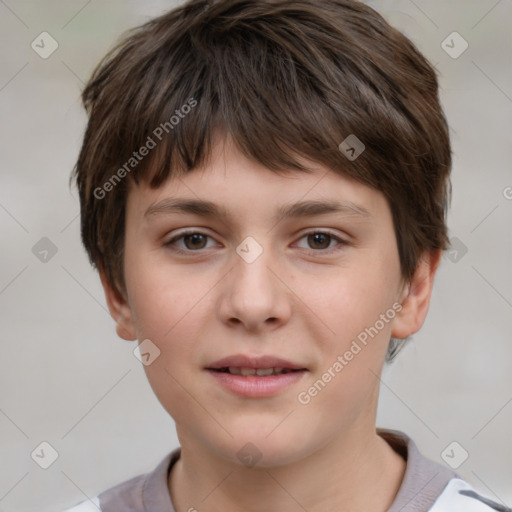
255 386
244 361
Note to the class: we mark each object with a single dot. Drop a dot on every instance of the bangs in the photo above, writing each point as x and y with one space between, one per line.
274 94
287 82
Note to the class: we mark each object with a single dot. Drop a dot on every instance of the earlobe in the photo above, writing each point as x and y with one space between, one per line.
416 297
119 310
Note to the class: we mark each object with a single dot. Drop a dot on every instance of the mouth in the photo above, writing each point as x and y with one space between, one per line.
255 376
261 366
259 372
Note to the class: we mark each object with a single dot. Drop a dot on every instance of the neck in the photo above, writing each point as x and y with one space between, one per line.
354 472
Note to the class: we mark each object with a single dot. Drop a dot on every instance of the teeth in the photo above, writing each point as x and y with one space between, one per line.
261 372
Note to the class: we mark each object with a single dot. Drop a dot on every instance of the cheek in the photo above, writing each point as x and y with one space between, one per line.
171 318
358 308
168 310
173 310
357 304
353 299
160 297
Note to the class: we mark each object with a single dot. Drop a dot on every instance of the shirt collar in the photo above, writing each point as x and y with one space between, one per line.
423 481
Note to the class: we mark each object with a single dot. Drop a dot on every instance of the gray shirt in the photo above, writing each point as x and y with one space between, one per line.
426 486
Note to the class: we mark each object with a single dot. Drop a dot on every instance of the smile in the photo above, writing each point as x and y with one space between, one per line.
260 372
256 382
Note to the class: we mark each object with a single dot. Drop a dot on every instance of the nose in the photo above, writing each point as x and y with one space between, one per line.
253 295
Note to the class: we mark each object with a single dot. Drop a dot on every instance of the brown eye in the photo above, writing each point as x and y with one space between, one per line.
195 241
319 240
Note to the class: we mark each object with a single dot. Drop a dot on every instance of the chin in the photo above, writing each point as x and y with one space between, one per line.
264 447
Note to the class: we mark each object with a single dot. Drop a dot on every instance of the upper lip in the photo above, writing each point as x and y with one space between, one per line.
263 362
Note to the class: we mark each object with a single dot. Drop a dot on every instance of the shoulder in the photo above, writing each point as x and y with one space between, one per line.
429 486
147 492
127 493
459 496
92 505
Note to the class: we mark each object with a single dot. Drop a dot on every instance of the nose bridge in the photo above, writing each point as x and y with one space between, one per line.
251 276
253 295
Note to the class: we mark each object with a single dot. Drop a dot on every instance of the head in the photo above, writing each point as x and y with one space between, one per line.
214 119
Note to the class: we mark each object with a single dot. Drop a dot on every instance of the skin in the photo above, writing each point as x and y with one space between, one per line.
304 299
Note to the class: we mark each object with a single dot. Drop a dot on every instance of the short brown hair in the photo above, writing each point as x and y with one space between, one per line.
284 79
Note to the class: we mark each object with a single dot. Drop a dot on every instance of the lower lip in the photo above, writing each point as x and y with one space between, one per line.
256 386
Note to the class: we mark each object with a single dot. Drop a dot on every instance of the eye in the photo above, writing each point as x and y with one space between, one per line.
322 241
189 242
195 241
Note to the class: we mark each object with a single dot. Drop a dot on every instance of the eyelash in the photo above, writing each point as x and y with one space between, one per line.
182 235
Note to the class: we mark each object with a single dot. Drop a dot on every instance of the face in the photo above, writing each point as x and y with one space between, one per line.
300 267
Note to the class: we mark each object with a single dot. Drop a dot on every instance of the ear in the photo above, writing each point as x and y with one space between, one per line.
119 310
415 298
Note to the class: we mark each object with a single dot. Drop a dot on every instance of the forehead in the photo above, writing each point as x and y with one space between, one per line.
230 184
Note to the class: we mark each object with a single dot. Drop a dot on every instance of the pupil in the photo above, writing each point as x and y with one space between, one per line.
321 239
196 239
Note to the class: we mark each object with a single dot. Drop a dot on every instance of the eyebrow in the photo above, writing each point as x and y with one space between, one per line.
208 209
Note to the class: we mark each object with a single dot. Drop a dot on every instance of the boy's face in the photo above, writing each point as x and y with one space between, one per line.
304 299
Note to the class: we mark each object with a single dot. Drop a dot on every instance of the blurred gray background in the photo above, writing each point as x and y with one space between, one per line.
66 379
